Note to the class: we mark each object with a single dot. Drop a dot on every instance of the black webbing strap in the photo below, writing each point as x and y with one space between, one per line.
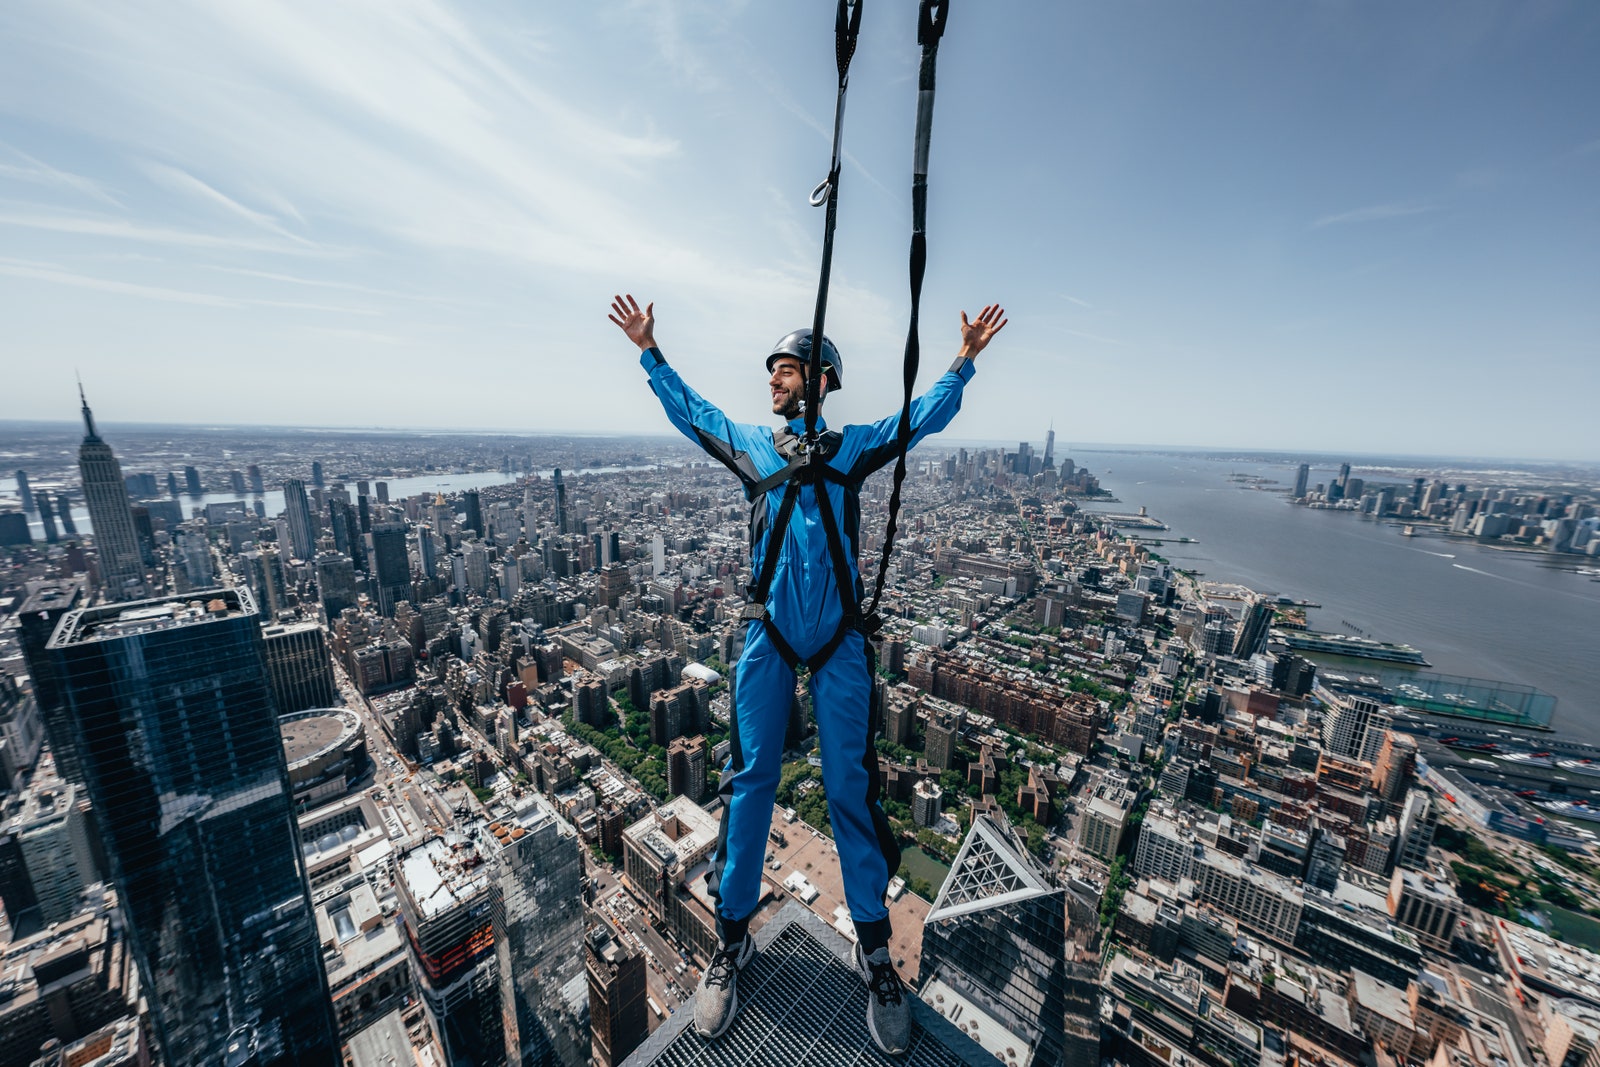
846 28
810 469
931 19
775 479
769 561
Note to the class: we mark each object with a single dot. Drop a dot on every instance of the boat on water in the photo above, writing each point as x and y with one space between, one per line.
1572 809
1348 645
1580 766
1531 759
1408 530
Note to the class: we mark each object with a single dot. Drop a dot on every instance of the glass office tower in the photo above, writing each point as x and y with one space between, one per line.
995 940
178 739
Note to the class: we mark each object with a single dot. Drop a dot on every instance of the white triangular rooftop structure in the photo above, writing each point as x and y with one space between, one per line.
990 872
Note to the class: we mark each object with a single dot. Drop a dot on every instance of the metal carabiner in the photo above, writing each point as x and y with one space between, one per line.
819 195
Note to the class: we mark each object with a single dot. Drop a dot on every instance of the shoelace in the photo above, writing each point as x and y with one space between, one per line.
722 970
885 983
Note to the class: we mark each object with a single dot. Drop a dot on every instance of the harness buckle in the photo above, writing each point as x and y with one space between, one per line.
753 611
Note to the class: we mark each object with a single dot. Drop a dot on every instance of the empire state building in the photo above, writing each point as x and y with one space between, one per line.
105 493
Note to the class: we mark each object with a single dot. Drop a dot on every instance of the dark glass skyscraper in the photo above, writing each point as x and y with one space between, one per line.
106 494
179 743
996 938
473 519
391 567
47 601
297 509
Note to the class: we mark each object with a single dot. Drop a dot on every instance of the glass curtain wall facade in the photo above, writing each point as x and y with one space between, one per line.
996 935
178 737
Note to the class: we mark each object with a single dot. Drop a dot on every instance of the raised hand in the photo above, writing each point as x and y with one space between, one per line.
640 326
977 334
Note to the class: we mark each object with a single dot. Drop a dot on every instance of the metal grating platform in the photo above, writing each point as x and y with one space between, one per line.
803 1005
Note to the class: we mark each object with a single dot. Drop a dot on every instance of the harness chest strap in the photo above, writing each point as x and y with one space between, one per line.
803 467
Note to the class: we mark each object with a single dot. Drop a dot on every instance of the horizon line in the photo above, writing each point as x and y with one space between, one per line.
1085 446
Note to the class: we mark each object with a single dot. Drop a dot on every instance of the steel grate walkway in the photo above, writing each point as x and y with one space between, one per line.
802 1005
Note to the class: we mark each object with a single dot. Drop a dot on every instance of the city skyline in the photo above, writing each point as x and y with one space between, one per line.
1242 448
1229 211
433 740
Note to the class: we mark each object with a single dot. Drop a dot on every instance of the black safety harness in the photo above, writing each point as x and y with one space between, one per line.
807 456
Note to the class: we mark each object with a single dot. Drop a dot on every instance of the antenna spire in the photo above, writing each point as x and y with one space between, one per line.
88 416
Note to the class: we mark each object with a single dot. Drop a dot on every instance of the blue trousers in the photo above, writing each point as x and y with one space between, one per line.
841 702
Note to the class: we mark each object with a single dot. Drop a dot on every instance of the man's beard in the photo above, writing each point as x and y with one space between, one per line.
792 405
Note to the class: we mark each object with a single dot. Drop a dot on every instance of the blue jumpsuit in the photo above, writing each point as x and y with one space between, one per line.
804 605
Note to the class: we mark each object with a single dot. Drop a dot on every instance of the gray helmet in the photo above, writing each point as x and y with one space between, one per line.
798 345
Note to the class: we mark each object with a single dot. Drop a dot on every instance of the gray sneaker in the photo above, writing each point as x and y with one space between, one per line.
716 1002
888 1002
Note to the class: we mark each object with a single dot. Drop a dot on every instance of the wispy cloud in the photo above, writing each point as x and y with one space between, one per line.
1375 213
183 182
37 172
57 275
100 226
1074 300
1096 338
324 283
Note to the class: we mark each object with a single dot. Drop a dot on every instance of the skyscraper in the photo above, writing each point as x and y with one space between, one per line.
473 519
336 583
64 512
191 481
316 473
425 551
24 491
391 567
561 502
616 994
1354 726
449 899
121 565
297 508
1301 477
47 518
1050 448
47 601
182 757
538 862
996 939
257 487
298 664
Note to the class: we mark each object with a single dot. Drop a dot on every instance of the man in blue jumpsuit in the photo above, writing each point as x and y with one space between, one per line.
804 620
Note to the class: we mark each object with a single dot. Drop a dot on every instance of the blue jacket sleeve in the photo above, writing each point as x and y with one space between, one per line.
875 444
697 418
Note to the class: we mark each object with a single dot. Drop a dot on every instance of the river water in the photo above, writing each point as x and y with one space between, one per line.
1472 610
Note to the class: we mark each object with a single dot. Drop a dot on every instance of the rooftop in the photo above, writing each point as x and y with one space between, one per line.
383 1044
112 622
443 872
307 734
801 1003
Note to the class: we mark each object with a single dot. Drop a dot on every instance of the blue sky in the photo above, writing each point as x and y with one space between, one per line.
1327 226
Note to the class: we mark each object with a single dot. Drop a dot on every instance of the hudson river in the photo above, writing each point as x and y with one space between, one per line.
1471 610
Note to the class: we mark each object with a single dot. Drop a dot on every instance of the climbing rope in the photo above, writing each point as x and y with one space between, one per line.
930 27
846 28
